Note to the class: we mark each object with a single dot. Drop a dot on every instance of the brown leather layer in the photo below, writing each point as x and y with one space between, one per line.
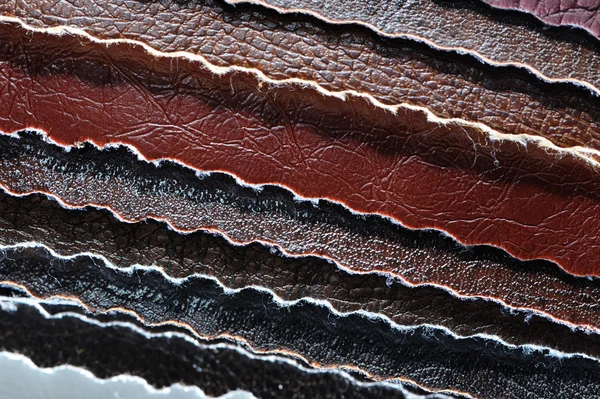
579 13
137 190
338 59
528 200
431 358
464 26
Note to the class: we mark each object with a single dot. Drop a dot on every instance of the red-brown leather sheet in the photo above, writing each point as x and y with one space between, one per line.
517 196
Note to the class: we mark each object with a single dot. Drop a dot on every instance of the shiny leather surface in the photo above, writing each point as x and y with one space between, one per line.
429 357
246 197
465 26
423 174
109 347
218 204
340 59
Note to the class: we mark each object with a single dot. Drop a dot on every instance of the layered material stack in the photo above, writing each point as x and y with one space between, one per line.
300 198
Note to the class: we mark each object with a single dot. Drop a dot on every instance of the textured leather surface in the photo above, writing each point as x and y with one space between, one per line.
223 96
464 26
272 215
579 13
525 199
111 349
433 359
393 71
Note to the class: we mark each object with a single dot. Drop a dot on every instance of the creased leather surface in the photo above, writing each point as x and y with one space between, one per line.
580 13
249 101
135 190
465 25
518 196
431 359
338 59
163 360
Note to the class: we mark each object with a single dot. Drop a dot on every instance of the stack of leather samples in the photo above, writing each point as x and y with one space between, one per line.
300 198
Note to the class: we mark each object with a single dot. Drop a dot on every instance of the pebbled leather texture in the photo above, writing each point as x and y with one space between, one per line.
465 26
347 58
302 198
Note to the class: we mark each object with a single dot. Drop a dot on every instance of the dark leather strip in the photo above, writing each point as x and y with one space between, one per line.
495 36
136 189
508 100
432 359
109 350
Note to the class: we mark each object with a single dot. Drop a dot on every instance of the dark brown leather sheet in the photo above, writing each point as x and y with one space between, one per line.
341 59
135 190
492 35
431 358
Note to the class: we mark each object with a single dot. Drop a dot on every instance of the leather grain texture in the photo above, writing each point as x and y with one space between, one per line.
339 59
304 198
217 204
431 358
110 347
494 36
512 194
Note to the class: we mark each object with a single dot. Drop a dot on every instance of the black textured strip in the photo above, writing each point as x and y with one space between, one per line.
429 357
